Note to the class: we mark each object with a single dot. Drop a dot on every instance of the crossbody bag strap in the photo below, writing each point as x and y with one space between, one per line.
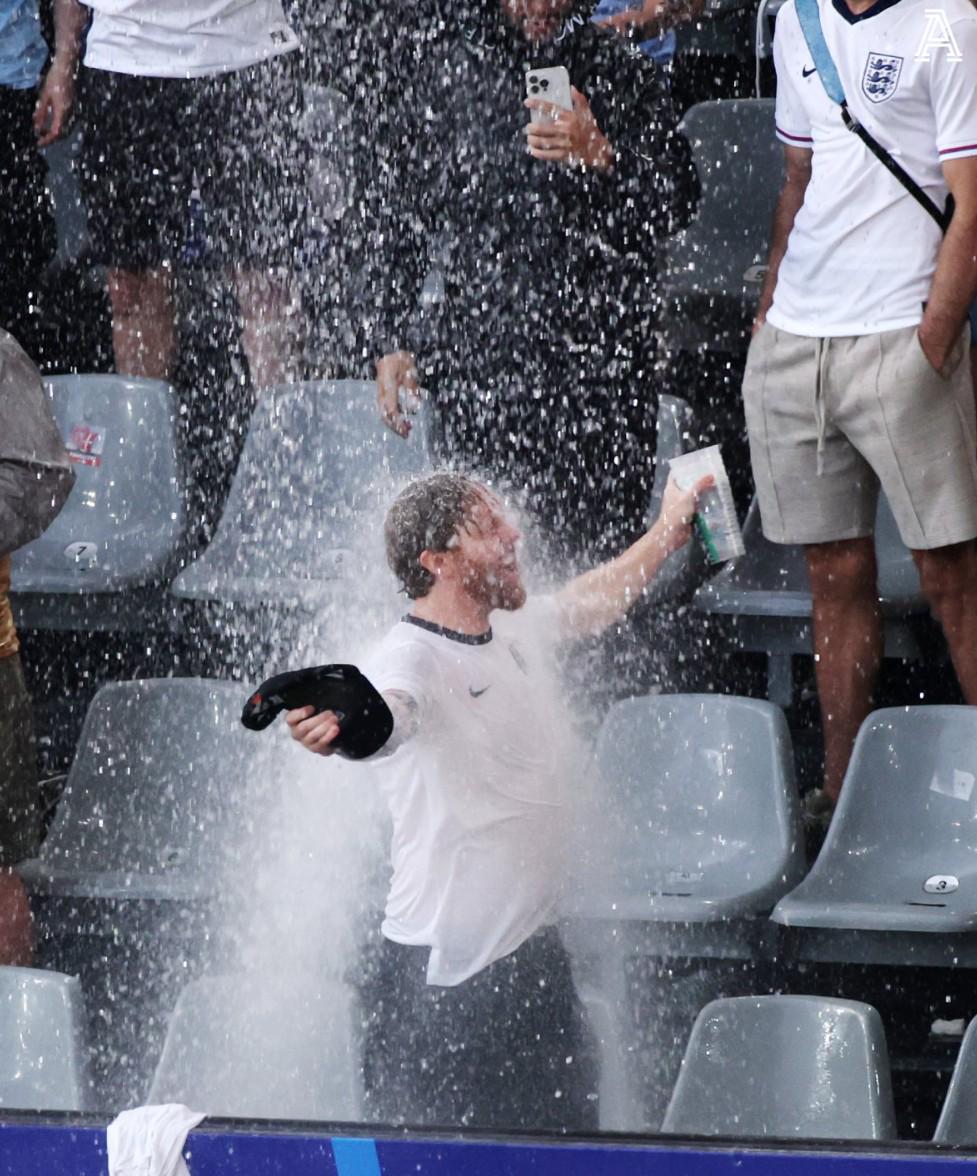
809 15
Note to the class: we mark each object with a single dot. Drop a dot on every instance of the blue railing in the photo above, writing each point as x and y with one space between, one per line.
73 1146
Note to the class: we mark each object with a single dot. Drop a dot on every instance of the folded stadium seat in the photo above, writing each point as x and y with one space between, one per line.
305 510
958 1119
692 835
150 854
766 23
896 879
122 532
767 597
712 270
787 1067
43 1050
270 1049
703 811
154 795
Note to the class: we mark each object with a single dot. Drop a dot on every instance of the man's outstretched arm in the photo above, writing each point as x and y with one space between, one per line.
595 600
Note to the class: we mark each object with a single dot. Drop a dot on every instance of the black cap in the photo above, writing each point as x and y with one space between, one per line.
365 721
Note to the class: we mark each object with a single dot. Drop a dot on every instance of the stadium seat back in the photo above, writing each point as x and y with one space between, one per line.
156 784
713 269
251 1049
316 471
124 522
958 1118
785 1066
701 790
901 853
43 1053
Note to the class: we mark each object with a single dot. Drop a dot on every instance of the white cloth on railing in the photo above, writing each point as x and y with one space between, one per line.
149 1141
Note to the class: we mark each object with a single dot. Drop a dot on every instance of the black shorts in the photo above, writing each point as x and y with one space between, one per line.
145 139
508 1048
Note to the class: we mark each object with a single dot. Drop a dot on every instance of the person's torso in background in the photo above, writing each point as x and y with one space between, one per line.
23 50
185 38
8 634
531 258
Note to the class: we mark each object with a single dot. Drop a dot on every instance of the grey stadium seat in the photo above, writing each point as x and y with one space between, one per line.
704 811
43 1051
123 528
768 598
242 1047
159 779
713 269
305 508
787 1067
958 1119
901 852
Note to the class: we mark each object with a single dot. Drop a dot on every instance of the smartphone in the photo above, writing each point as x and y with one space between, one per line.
552 85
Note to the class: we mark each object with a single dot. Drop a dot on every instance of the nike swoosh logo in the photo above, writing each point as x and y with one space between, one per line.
806 73
477 693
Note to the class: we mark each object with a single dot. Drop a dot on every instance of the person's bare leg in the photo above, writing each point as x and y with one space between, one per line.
16 925
269 326
143 322
948 576
848 641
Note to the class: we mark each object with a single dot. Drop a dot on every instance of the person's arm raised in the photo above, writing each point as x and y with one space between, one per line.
595 600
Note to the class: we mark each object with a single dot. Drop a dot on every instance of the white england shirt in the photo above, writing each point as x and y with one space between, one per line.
862 252
185 38
478 795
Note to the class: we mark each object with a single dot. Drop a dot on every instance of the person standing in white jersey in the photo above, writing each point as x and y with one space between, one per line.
858 370
473 1016
179 92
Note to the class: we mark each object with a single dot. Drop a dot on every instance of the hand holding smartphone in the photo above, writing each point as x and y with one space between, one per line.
550 85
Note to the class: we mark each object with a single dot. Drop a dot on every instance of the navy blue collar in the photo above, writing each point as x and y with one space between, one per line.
854 17
451 634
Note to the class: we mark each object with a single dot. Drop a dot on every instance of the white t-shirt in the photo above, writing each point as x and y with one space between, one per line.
862 252
478 795
185 38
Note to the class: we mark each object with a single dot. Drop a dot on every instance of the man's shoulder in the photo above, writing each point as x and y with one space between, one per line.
406 656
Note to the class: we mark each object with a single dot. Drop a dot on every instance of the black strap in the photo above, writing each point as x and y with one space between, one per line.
942 218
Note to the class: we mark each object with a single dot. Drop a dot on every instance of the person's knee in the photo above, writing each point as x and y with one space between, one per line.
842 571
947 573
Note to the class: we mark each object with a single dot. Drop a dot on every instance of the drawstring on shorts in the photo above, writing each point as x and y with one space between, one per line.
820 414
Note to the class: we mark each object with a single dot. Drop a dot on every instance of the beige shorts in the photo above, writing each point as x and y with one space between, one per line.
832 419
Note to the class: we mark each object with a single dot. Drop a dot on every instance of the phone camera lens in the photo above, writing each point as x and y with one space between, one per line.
544 84
533 79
